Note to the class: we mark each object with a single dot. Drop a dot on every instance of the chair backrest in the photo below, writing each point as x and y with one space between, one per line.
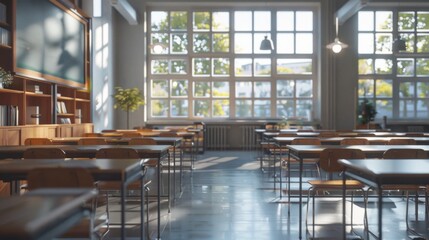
169 134
354 141
404 153
328 160
401 141
118 153
328 134
92 135
92 141
59 177
414 134
286 134
44 153
142 141
131 134
306 141
37 141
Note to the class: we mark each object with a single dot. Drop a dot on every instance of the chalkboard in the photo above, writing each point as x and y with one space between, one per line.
50 42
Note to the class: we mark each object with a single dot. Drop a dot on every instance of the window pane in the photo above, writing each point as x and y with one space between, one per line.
285 43
159 66
422 21
384 108
202 108
422 66
202 89
243 67
285 88
383 43
159 88
178 66
262 67
304 88
262 89
285 108
405 67
221 89
366 43
262 21
423 108
243 89
243 43
422 89
285 21
243 21
179 108
159 21
383 66
383 21
409 41
304 21
221 42
406 21
365 66
406 108
179 88
179 21
294 66
179 43
303 109
262 108
406 90
243 108
201 42
220 21
366 88
202 21
366 21
383 88
201 66
159 108
422 43
304 43
221 108
160 39
220 67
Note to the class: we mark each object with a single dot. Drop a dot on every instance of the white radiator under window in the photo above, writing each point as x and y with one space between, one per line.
217 137
248 137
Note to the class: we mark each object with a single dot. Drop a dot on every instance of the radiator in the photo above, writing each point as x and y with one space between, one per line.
217 137
248 137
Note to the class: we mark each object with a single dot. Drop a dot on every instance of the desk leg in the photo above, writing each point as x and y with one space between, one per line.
174 171
142 197
344 205
288 180
280 169
181 169
123 210
380 212
300 197
159 199
169 183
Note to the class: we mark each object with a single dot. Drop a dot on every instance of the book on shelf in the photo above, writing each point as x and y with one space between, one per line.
4 37
9 115
61 107
65 121
33 115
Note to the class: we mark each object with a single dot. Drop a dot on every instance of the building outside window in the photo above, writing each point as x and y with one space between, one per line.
207 64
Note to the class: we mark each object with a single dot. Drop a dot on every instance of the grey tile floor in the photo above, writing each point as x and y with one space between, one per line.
227 197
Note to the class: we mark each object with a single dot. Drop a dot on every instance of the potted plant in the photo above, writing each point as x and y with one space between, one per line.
128 99
6 78
366 113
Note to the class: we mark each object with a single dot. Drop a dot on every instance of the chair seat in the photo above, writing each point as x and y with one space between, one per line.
113 185
82 229
335 184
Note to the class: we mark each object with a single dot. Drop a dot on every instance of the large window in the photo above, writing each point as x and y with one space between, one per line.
207 64
396 82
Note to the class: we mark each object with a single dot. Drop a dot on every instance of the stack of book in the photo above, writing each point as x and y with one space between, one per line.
4 37
9 115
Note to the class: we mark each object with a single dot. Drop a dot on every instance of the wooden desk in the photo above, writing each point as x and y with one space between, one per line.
88 151
301 152
336 140
123 170
378 172
42 213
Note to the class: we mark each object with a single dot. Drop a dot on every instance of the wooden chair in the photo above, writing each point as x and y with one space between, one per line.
308 162
131 135
92 141
44 153
58 177
187 146
405 153
328 163
401 141
92 135
37 141
328 134
142 141
354 141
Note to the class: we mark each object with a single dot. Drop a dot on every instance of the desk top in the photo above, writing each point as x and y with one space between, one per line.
337 140
42 213
116 140
389 171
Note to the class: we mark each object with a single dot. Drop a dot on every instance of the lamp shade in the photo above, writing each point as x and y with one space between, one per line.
337 46
399 45
266 44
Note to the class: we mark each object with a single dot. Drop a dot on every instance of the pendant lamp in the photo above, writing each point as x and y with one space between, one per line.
399 45
337 45
266 44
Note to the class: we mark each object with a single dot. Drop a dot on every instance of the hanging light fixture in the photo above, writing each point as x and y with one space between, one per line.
266 44
399 45
337 45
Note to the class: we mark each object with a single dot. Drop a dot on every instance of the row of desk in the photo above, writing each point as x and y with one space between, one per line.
123 170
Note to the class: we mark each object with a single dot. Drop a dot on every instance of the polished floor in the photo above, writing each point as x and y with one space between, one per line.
228 197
